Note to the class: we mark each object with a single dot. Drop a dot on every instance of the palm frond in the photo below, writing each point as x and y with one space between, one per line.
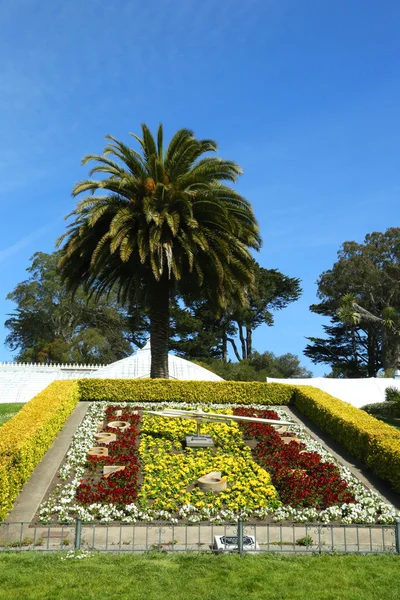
160 212
160 149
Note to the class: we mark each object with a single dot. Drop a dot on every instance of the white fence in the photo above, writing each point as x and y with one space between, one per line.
20 382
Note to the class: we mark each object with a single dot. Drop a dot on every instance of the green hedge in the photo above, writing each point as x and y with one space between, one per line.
373 442
25 439
383 410
160 390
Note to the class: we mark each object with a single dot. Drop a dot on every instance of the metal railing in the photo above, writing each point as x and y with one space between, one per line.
239 536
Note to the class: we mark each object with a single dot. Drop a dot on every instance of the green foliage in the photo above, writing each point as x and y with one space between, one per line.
196 332
25 439
390 409
258 367
202 332
392 394
376 444
305 541
147 390
370 274
49 325
271 291
164 223
382 410
388 319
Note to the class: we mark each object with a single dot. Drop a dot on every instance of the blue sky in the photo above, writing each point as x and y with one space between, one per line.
304 95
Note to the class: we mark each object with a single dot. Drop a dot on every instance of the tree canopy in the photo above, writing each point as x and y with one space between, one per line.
48 325
272 291
159 223
203 333
370 273
258 367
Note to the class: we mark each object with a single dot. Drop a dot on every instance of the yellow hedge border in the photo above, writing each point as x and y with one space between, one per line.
26 437
150 390
373 442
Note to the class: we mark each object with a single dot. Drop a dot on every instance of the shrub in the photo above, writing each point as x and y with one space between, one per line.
382 410
26 437
166 390
10 484
392 394
376 444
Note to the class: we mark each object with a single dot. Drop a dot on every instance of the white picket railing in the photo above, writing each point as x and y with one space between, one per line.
20 382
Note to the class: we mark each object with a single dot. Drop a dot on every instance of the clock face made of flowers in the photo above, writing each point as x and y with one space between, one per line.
279 478
205 441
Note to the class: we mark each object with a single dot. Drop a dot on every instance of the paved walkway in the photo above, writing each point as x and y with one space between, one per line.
37 485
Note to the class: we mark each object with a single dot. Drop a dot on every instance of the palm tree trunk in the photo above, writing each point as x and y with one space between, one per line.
159 330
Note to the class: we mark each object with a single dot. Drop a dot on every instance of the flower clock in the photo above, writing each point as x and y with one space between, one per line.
146 473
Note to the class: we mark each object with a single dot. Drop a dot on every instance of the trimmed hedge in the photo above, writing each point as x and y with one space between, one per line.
383 410
10 484
26 437
167 390
373 442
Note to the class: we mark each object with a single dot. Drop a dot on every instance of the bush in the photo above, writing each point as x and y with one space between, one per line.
382 410
10 484
26 437
376 444
167 390
392 394
257 367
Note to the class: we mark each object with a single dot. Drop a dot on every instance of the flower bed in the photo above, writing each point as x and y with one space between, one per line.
120 488
301 478
297 482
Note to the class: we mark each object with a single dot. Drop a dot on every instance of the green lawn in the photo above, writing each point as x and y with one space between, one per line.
7 411
394 422
194 577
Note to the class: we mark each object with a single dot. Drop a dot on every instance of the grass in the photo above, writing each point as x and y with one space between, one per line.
193 577
8 410
394 421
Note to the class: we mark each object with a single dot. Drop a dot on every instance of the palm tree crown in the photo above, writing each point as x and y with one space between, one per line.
160 222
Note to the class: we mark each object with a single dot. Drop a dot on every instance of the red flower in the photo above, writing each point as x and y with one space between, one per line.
121 487
300 477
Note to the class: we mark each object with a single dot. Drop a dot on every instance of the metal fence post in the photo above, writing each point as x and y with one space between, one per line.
78 531
397 533
240 535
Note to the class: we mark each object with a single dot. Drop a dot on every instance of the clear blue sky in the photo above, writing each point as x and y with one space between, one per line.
304 95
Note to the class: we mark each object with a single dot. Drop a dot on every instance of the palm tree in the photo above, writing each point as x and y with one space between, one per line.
160 223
